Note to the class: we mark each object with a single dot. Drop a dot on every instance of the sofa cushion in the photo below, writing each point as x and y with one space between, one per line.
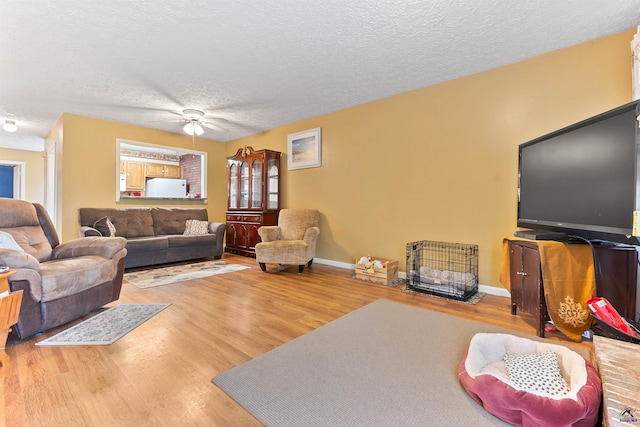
64 277
128 222
105 227
196 227
174 220
147 244
180 241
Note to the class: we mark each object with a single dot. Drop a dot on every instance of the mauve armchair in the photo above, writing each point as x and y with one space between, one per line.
60 281
292 241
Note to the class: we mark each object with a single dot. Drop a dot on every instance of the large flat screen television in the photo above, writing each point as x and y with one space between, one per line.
583 180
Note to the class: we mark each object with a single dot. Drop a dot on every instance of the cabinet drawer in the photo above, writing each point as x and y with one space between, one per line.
252 218
234 217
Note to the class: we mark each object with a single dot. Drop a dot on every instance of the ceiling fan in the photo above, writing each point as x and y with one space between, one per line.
195 121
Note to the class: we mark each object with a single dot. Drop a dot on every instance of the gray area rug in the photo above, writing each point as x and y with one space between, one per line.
106 327
385 364
179 273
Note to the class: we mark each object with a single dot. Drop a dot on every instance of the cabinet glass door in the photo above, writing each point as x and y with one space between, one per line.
256 184
233 186
272 184
244 185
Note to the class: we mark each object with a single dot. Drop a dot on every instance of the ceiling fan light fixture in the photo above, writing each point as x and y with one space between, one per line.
193 127
10 126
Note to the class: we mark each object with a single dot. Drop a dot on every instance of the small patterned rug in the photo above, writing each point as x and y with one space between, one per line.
106 327
179 273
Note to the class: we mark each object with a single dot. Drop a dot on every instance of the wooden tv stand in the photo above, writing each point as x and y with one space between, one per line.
616 279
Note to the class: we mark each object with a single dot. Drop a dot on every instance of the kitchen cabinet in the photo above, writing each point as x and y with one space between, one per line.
253 197
135 176
158 170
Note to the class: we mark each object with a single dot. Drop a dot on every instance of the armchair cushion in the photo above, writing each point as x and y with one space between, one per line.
32 240
69 276
7 241
294 222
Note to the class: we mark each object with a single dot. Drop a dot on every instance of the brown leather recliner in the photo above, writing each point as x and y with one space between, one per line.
61 281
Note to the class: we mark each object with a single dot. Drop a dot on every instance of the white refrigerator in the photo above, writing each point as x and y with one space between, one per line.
166 187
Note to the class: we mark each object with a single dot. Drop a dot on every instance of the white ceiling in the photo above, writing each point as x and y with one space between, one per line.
261 64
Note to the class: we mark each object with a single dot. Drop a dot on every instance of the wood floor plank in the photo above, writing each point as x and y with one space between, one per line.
160 373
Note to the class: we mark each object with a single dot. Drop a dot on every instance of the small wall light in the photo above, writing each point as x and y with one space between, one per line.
10 126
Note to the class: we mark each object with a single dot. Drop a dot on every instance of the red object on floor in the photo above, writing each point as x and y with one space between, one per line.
603 309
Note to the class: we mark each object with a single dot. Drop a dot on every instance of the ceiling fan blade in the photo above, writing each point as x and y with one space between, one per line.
215 119
214 127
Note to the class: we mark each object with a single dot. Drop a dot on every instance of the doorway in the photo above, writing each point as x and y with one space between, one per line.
12 179
6 181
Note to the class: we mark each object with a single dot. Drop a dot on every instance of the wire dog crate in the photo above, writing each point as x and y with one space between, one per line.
445 269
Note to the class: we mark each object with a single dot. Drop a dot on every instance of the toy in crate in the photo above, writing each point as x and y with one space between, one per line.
611 323
377 270
445 269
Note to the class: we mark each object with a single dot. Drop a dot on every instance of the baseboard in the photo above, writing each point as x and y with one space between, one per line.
490 290
334 263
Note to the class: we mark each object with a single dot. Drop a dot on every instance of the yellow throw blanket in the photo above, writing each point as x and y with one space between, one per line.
569 281
505 266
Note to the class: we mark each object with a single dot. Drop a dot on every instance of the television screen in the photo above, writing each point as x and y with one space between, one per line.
582 179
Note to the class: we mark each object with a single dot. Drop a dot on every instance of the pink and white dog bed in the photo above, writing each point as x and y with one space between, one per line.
531 383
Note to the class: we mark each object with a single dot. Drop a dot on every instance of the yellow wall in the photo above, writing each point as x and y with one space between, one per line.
33 171
440 163
88 168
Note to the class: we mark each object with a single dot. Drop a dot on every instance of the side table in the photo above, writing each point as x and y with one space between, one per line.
619 368
9 311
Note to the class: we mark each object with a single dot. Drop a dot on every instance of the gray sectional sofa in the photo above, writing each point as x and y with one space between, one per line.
155 235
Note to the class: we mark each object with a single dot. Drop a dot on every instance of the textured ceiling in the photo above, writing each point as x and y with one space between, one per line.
261 64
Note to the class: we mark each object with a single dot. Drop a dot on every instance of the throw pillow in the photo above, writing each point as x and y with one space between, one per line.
8 242
536 373
193 226
105 227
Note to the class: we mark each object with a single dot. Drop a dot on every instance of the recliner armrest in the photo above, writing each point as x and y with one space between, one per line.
270 233
14 259
107 247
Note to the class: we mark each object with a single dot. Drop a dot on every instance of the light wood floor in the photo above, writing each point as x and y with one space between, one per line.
160 373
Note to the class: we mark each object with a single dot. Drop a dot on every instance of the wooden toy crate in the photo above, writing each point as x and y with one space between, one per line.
384 275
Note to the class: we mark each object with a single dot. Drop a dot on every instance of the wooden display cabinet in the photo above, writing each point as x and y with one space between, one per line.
616 279
253 197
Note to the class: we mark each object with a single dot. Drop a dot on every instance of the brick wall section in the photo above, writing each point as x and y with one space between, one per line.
191 167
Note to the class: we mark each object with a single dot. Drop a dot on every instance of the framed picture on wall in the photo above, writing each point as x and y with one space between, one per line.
304 149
